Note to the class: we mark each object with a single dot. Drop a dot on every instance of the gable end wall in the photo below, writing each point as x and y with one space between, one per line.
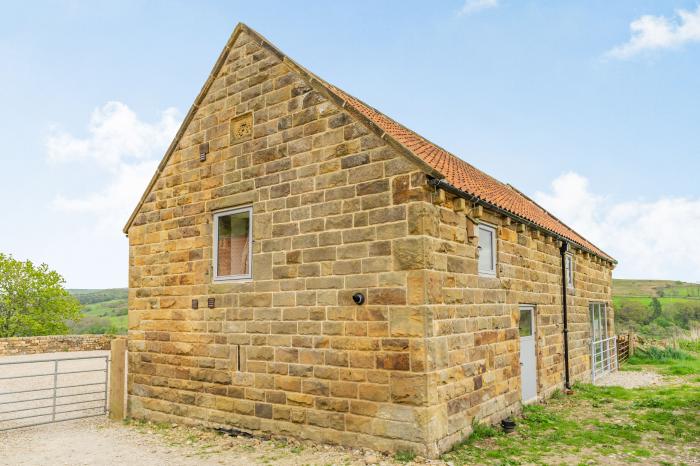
334 209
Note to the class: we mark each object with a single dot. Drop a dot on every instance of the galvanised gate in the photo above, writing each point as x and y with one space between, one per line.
46 390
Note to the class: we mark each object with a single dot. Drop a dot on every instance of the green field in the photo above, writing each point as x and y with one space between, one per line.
104 311
656 308
655 288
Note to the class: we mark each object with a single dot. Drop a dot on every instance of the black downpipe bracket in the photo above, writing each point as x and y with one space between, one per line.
563 250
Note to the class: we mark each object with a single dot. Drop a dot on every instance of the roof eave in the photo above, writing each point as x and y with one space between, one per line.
443 184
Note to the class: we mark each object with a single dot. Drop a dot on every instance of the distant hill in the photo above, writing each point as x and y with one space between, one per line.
104 311
655 288
656 308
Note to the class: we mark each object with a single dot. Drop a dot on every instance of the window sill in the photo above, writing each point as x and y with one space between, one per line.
234 279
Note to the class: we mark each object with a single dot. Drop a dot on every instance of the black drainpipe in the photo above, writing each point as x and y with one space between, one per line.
564 248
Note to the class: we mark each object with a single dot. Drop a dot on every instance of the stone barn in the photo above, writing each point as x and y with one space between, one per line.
303 265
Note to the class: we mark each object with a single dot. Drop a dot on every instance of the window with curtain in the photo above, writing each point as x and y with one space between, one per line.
232 244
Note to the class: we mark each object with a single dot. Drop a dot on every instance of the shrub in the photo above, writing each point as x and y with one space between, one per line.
658 354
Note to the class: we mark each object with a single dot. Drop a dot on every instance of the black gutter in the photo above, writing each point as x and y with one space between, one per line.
563 250
444 185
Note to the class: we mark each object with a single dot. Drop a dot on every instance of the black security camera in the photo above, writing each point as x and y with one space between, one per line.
359 298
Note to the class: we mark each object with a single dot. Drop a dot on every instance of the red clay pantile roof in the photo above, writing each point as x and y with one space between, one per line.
465 176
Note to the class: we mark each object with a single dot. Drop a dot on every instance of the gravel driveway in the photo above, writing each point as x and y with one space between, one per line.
37 405
93 441
101 442
630 379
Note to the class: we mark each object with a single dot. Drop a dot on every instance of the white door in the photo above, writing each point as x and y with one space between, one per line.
528 355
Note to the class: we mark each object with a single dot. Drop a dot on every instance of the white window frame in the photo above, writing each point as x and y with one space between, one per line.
569 270
599 309
215 245
494 250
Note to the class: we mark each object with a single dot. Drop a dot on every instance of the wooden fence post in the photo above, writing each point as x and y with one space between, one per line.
630 337
117 374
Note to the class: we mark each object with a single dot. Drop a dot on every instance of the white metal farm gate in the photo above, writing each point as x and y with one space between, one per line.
47 390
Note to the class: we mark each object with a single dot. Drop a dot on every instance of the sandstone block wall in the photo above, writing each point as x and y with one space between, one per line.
336 211
287 352
53 344
473 343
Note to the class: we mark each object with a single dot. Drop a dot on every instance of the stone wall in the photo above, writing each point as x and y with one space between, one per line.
336 211
287 352
54 344
473 342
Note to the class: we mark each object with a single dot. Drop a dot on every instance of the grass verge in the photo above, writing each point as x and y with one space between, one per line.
667 361
603 425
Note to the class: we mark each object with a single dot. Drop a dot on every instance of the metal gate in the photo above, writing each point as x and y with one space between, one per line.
43 391
604 356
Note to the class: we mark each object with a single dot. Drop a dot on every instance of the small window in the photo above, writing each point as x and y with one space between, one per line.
232 244
487 250
569 263
525 324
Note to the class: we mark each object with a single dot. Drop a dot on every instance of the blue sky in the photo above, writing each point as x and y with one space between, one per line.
590 107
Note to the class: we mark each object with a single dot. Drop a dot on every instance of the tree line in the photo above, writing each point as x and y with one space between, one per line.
656 317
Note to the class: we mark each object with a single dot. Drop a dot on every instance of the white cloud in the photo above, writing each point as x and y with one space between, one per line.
474 6
124 146
651 33
116 135
650 239
110 207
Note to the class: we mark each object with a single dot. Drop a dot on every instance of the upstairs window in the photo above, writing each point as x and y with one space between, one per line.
233 252
487 250
569 265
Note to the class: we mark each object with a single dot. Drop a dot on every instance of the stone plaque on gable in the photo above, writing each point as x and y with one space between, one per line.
241 128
